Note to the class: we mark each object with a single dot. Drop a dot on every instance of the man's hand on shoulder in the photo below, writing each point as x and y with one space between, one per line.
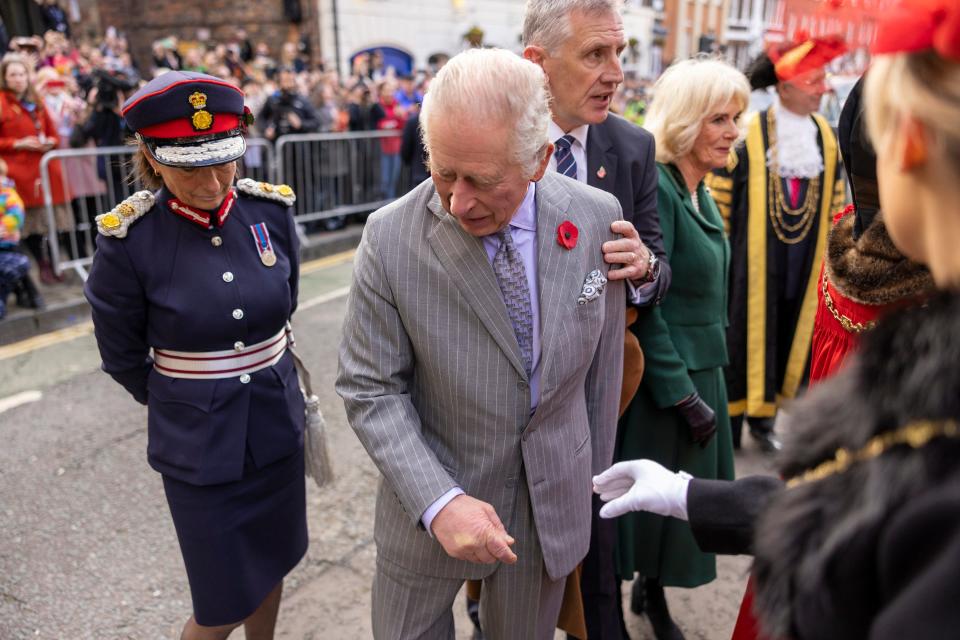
470 530
628 252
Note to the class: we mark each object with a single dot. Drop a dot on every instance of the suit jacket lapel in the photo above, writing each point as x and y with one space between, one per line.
558 275
703 217
465 261
600 155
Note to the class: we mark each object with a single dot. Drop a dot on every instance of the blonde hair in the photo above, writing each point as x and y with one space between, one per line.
924 85
686 94
492 87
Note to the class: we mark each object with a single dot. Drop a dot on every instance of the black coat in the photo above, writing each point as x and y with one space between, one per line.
620 161
872 552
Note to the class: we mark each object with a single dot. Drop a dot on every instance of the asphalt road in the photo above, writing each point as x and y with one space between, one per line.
87 548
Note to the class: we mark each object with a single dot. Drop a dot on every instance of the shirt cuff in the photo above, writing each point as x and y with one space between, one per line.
641 295
438 504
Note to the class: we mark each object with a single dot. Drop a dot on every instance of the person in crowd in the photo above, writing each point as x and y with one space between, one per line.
359 108
679 416
263 61
290 57
26 133
497 490
287 111
864 275
777 194
225 414
4 38
59 53
857 543
165 55
79 174
14 266
387 115
104 125
412 152
606 152
54 17
407 95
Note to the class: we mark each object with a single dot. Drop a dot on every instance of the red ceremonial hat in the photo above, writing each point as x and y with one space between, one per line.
918 25
804 55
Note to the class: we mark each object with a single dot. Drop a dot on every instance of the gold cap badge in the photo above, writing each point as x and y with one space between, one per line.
202 120
198 100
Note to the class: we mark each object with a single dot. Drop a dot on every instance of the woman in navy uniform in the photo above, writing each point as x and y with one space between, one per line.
191 289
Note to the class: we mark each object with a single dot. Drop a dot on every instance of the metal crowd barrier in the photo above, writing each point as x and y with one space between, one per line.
97 179
339 174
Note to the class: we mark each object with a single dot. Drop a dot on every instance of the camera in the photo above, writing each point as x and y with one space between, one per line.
109 86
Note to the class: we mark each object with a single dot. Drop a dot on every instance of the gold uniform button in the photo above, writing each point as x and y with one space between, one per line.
227 276
238 346
216 241
245 378
238 314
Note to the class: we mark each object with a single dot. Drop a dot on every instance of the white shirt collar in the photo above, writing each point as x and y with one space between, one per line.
579 133
526 215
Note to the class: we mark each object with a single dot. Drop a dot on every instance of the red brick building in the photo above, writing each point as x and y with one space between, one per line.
144 21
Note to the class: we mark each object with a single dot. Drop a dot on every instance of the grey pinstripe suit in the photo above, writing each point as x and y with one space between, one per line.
433 382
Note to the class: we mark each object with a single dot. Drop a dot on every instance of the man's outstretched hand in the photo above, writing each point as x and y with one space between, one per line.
470 530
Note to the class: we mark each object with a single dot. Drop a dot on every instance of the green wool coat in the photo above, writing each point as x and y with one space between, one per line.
684 347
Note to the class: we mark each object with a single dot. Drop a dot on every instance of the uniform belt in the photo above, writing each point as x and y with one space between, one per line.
207 365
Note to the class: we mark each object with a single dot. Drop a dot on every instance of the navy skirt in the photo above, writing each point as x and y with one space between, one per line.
239 539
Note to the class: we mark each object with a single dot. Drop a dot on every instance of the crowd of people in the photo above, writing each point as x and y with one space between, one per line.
78 86
567 291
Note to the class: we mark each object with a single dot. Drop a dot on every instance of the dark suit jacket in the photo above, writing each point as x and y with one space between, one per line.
625 153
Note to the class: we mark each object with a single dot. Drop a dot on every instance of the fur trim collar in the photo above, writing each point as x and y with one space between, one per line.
871 270
816 544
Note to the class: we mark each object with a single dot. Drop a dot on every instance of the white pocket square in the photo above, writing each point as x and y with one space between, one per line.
592 287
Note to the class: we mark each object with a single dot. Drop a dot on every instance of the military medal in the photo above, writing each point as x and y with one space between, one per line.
261 238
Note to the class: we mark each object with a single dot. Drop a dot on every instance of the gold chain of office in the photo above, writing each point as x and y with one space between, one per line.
849 325
915 435
778 206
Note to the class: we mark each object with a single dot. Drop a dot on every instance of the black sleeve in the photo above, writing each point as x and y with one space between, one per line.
647 220
265 117
408 146
722 513
310 120
377 114
917 559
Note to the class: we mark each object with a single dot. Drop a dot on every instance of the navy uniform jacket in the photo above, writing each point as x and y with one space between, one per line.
164 286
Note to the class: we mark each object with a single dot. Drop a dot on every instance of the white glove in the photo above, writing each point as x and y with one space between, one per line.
642 485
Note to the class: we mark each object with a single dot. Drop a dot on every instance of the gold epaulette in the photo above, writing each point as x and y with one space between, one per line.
116 221
282 193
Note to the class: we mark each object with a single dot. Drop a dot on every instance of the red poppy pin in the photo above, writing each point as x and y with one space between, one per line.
567 234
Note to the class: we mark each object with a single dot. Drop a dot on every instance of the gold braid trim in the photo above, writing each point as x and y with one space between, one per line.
849 325
915 435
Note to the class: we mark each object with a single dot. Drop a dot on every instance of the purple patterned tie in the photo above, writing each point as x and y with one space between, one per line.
512 278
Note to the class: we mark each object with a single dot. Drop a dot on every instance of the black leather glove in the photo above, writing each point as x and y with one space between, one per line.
699 417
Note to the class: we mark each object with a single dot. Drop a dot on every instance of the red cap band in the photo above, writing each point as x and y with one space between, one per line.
182 127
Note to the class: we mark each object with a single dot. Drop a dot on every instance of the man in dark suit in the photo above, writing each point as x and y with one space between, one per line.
578 44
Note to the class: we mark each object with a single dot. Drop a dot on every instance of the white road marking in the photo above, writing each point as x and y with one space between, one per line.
321 299
17 399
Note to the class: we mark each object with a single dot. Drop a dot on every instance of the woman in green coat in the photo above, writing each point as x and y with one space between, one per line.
679 415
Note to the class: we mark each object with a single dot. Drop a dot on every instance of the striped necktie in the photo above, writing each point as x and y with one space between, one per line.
566 163
512 278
